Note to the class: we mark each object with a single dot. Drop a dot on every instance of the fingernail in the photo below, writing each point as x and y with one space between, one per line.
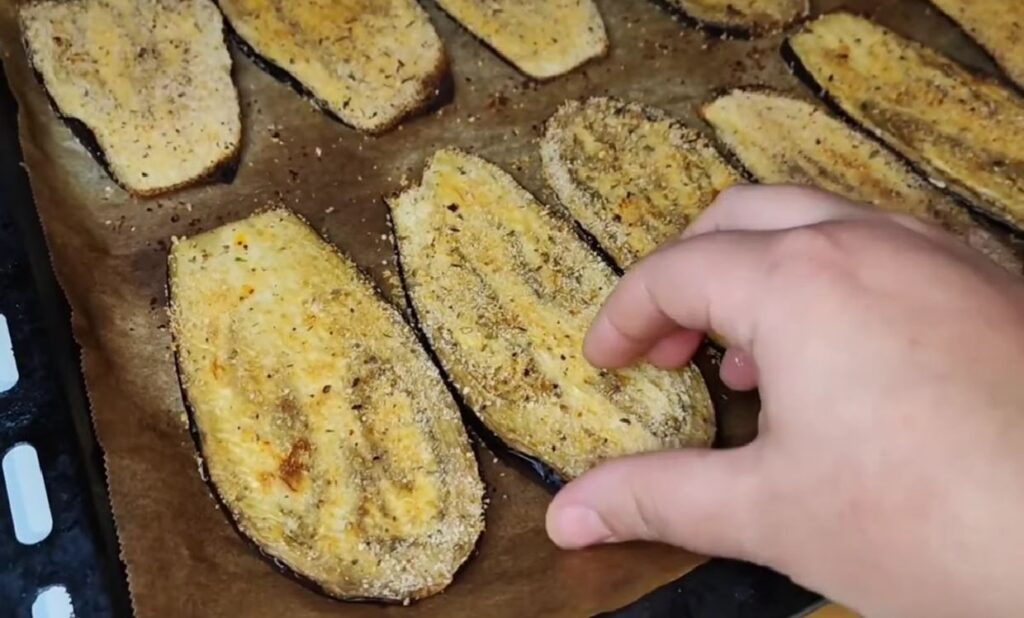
577 526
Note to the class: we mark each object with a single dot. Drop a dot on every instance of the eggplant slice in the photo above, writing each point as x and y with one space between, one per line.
326 431
997 25
369 62
964 130
631 175
505 291
149 81
746 15
542 38
783 140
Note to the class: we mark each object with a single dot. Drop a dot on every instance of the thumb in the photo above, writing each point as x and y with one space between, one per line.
699 499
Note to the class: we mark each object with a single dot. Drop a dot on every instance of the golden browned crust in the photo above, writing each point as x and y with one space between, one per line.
435 89
966 130
542 38
757 16
504 291
631 175
326 431
146 85
370 63
783 140
997 25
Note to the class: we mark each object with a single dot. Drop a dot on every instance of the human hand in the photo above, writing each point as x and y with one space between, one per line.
888 472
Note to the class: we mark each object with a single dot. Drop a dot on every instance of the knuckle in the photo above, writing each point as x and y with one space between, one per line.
648 519
627 329
815 247
807 261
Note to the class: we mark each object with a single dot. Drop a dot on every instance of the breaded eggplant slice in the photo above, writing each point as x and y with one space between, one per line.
505 291
745 15
326 431
997 25
542 38
631 175
782 140
369 62
965 131
148 80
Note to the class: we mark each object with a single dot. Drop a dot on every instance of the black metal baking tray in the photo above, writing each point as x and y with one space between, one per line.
48 409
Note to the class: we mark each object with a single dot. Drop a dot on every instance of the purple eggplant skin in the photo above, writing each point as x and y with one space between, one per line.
547 475
204 473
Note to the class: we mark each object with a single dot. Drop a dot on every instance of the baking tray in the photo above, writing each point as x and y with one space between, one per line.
47 409
715 589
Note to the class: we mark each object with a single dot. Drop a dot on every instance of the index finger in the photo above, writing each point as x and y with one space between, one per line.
705 283
776 207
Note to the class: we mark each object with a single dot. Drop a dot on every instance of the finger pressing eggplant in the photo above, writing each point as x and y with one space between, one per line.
505 292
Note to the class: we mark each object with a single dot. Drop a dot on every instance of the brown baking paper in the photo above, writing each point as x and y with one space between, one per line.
109 251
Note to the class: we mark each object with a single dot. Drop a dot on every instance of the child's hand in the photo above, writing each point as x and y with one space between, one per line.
889 469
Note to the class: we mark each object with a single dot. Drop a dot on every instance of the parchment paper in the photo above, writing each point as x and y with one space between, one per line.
109 252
